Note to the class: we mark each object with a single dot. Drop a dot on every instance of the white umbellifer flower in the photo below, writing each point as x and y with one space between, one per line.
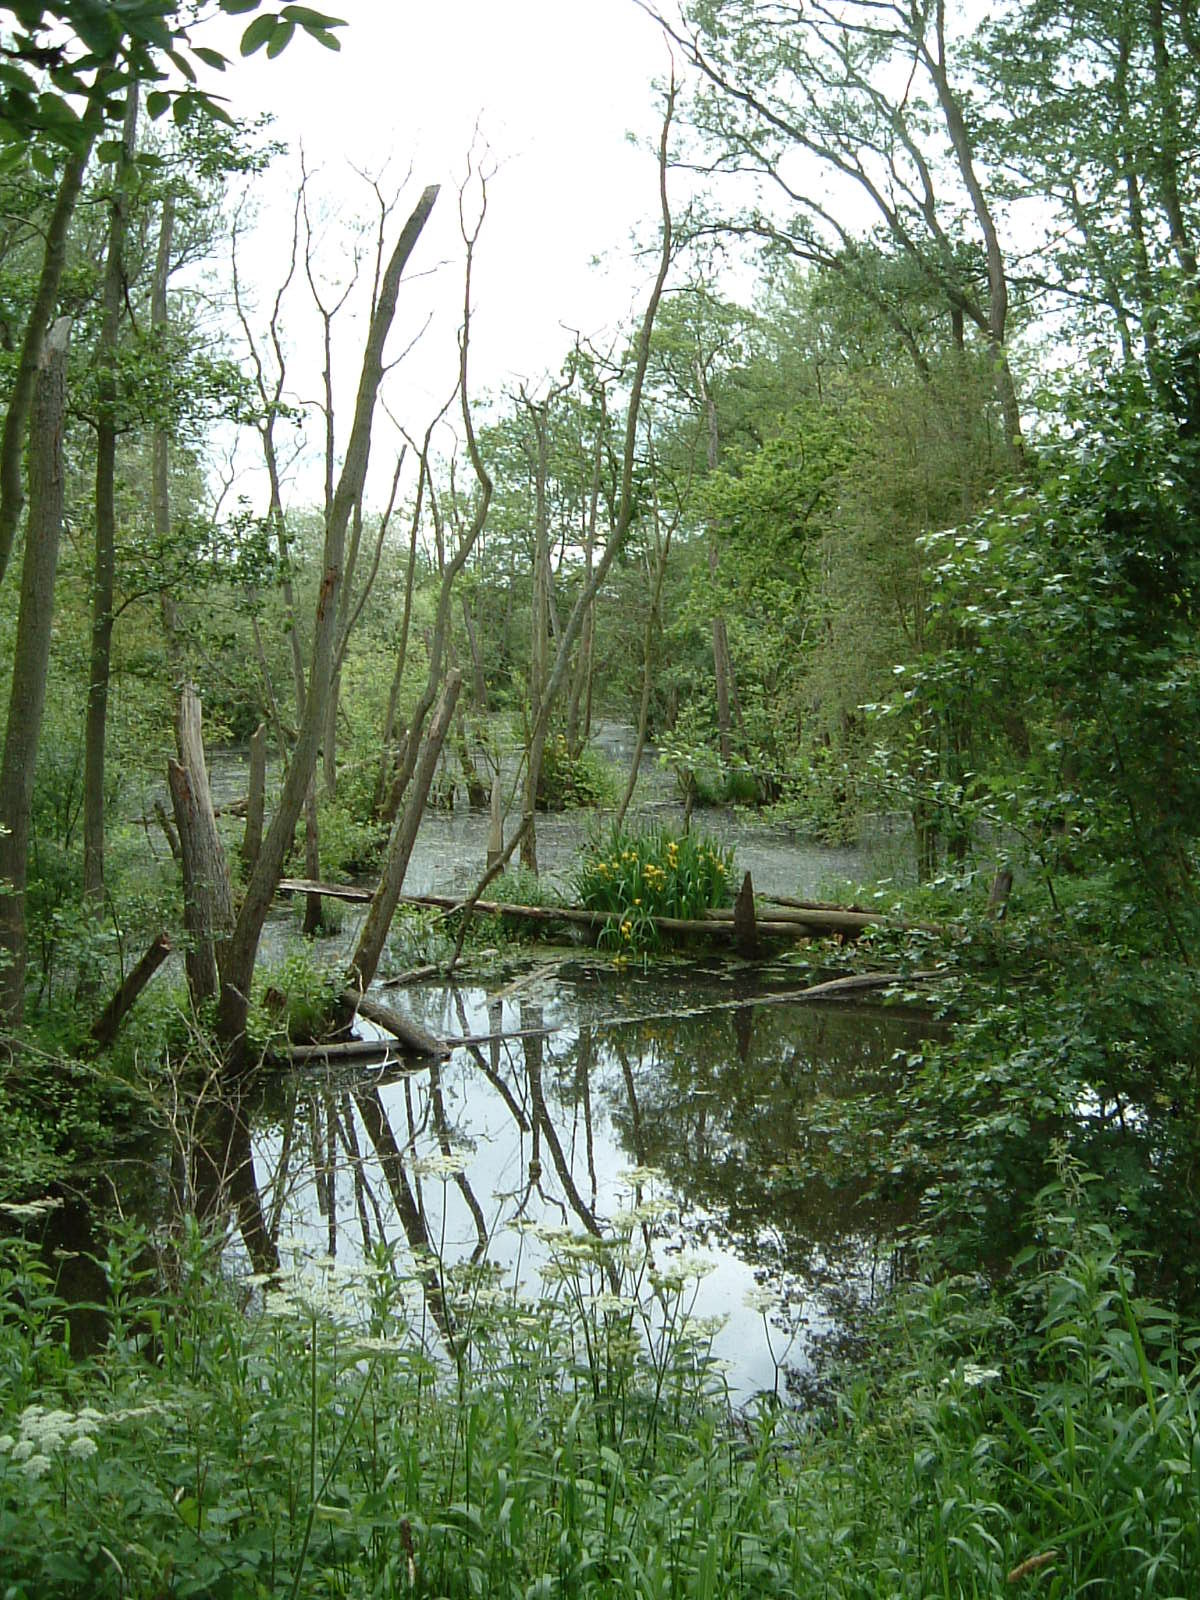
760 1300
6 1443
22 1450
973 1376
255 1280
81 1447
37 1466
636 1175
26 1210
607 1301
440 1165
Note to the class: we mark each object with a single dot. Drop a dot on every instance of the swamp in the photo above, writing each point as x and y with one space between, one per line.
598 868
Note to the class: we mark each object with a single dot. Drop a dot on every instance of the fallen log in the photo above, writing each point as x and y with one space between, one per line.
335 891
343 1050
411 1038
104 1029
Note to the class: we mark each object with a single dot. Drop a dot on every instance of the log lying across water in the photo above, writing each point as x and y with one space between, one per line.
786 918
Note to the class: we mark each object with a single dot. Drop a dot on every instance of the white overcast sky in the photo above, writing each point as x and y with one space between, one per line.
555 87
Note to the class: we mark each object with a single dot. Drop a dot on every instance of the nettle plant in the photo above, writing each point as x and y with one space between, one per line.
636 877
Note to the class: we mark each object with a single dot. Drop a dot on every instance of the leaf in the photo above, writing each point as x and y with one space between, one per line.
210 58
280 39
257 34
307 18
237 8
157 102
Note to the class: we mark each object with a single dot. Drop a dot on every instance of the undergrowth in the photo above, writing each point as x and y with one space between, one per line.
402 1430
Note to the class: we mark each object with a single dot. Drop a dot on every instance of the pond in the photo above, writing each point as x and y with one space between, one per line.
672 1104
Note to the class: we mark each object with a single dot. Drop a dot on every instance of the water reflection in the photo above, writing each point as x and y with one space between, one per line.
539 1123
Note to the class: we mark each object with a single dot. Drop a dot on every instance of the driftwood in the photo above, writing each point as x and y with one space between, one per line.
104 1029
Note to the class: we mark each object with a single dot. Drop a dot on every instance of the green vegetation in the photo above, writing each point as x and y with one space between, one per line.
852 543
636 877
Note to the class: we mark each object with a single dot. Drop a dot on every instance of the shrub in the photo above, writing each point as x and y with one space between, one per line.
570 782
658 873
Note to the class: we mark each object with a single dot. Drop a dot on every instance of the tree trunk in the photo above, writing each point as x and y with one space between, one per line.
207 892
17 414
105 569
160 465
243 946
31 660
369 949
256 804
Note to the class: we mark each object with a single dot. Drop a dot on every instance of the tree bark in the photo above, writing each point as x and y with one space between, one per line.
104 1029
105 570
256 803
235 988
31 660
160 463
17 414
365 961
207 892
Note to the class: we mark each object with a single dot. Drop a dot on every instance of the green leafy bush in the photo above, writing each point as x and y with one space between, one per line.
658 873
568 782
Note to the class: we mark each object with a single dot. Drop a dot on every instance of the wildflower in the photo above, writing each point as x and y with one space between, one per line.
974 1376
37 1466
81 1447
440 1165
636 1175
27 1210
759 1299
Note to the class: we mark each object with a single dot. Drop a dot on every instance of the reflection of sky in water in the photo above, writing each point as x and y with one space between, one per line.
587 1105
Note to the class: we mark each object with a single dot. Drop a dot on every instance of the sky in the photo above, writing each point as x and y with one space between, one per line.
547 93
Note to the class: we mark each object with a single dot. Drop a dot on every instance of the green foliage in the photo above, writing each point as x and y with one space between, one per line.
568 782
635 877
293 1000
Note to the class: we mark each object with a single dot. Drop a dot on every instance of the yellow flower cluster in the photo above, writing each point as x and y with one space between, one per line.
627 929
654 875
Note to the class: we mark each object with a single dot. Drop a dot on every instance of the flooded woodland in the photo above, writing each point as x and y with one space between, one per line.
599 814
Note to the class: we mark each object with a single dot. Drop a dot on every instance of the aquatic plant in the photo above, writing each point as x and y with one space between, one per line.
636 877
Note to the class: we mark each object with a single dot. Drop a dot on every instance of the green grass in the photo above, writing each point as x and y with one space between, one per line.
318 1435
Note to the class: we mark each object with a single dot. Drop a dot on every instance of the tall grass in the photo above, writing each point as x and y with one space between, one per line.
420 1432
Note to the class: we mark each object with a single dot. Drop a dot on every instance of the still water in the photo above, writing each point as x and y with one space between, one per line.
592 1094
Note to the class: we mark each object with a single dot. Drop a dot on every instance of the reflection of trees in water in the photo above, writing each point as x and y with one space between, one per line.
727 1104
724 1105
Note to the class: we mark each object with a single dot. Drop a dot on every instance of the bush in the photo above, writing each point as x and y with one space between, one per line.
658 873
570 782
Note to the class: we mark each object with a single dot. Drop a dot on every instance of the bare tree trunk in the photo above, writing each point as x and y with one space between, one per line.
256 804
31 660
367 952
207 892
626 504
722 662
17 414
653 628
105 570
160 465
239 965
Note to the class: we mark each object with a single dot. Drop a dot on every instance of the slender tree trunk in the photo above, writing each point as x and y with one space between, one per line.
653 628
243 945
17 414
31 660
207 892
256 804
369 949
105 570
160 466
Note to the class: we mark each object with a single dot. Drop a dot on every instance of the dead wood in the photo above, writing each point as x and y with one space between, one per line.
104 1029
411 1037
